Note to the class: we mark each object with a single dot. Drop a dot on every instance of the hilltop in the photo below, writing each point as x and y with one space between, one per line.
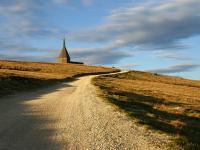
163 103
19 76
144 103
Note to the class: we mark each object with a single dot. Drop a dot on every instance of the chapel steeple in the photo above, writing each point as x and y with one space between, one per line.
64 55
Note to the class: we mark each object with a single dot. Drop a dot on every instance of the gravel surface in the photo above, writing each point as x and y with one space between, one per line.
70 116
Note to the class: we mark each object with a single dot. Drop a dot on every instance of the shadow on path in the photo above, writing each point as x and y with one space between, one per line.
22 128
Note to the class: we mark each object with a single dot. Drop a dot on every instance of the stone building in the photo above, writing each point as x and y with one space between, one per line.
64 55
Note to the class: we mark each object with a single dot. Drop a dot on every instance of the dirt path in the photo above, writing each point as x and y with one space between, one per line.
69 116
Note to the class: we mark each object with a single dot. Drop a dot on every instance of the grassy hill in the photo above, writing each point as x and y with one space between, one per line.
167 104
19 76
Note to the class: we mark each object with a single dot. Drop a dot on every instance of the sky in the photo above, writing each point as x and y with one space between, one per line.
161 36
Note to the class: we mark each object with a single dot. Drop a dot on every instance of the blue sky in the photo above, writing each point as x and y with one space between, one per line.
161 36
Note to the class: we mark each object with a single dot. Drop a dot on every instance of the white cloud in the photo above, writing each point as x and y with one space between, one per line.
148 24
84 2
177 68
87 2
105 55
176 55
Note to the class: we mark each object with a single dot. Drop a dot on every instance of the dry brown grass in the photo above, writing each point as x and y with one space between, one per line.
19 76
48 70
164 103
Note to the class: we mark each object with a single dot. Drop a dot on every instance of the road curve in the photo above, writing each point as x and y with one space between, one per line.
69 116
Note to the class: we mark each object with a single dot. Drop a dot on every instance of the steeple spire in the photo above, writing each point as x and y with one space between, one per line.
64 55
64 46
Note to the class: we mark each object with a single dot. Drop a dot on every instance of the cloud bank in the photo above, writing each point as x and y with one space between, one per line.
152 26
177 69
149 24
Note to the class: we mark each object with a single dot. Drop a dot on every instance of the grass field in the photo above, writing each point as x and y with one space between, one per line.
20 76
167 104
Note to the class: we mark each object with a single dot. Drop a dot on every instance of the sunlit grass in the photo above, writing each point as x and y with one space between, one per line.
20 76
164 103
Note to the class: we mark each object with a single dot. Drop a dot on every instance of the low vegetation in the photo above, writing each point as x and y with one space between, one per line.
19 76
164 103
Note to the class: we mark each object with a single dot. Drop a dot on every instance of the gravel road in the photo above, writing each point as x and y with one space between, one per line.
70 116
